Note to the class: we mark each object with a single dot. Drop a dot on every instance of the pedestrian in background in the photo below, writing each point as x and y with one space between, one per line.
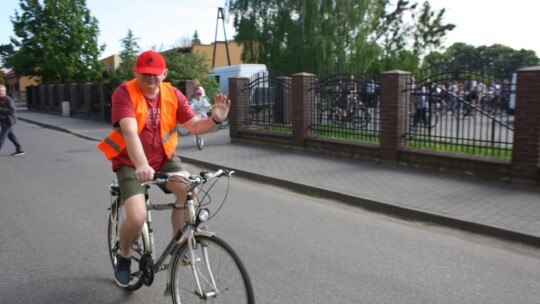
8 118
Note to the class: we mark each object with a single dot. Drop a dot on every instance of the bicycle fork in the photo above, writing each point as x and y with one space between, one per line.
197 274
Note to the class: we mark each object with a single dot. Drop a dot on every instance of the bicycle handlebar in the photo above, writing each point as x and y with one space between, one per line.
193 180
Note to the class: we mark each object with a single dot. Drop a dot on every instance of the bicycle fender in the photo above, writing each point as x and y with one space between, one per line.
205 233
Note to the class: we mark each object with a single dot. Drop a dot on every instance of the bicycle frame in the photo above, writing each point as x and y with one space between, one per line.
180 236
185 234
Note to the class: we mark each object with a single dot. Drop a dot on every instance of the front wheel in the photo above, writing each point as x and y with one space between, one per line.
221 275
140 247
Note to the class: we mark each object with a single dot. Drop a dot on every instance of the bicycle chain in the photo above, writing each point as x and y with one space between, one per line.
146 265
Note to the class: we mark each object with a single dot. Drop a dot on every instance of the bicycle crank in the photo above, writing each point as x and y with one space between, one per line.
146 265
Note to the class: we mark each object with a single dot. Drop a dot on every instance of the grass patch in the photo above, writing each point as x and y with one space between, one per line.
470 148
343 133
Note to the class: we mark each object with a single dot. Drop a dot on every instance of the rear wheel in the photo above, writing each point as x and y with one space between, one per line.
182 131
200 141
140 247
221 274
361 118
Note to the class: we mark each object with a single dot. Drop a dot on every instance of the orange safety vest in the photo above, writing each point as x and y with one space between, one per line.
115 143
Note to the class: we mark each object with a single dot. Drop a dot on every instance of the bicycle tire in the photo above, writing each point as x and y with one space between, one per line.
227 269
182 131
200 141
140 247
361 119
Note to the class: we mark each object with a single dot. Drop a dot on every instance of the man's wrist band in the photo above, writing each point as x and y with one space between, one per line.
215 121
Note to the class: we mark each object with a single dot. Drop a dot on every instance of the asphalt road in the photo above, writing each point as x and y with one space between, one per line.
297 248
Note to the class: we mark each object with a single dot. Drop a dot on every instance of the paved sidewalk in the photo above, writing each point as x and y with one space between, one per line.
497 209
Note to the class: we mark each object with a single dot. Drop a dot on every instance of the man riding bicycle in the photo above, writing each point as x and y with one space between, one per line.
145 113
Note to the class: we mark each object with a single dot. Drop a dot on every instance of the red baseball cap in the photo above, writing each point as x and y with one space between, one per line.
150 62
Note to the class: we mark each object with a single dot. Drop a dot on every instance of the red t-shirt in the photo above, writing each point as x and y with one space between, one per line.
150 136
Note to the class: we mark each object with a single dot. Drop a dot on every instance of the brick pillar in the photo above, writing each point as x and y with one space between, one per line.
393 111
189 89
526 150
282 108
238 94
303 96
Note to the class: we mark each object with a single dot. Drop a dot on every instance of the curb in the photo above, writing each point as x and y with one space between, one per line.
381 207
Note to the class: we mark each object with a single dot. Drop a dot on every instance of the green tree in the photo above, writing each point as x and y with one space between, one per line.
293 36
189 66
128 56
498 60
298 35
195 39
56 41
407 32
6 50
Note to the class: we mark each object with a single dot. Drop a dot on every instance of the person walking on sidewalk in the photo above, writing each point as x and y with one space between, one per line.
145 113
8 118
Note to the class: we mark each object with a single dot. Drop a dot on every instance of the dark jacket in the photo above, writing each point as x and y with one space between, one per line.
8 116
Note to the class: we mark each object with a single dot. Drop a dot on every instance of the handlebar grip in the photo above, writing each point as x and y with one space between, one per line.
160 175
209 175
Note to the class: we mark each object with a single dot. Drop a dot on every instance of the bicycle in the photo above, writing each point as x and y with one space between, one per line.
357 114
183 131
202 266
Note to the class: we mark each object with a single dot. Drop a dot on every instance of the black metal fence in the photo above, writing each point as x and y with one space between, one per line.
468 115
269 107
346 107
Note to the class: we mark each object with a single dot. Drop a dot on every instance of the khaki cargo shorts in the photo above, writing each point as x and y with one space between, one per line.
129 186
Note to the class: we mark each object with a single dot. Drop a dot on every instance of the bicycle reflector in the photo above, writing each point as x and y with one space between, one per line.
203 215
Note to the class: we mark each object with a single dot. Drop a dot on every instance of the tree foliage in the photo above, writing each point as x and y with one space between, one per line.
56 41
498 60
128 55
293 36
299 35
195 39
189 66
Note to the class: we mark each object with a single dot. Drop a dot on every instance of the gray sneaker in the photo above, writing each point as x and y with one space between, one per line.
18 153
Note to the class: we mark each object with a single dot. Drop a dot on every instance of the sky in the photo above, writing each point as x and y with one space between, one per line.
162 24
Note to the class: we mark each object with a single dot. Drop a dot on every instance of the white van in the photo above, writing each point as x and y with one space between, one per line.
222 74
